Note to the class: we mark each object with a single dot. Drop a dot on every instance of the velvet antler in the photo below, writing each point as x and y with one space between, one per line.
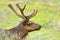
24 27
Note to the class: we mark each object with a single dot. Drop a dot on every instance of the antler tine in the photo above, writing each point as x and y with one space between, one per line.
10 5
24 7
21 9
33 14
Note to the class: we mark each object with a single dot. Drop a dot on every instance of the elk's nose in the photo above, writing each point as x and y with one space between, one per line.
38 27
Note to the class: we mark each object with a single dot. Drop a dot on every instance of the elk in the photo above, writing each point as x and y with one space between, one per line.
25 26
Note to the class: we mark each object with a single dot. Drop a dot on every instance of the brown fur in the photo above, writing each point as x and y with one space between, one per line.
24 27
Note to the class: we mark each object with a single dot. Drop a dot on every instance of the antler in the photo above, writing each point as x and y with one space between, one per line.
21 9
10 5
33 14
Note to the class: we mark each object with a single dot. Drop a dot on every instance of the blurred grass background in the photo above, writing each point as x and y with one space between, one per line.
48 17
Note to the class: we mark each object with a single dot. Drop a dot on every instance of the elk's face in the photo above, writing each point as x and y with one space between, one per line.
32 26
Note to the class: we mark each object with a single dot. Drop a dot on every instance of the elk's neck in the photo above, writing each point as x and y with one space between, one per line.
22 34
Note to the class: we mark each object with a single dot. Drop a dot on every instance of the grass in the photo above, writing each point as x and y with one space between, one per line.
48 17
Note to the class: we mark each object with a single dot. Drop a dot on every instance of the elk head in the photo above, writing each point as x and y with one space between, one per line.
24 27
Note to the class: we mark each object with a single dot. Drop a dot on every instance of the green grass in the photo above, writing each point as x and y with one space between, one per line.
48 17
